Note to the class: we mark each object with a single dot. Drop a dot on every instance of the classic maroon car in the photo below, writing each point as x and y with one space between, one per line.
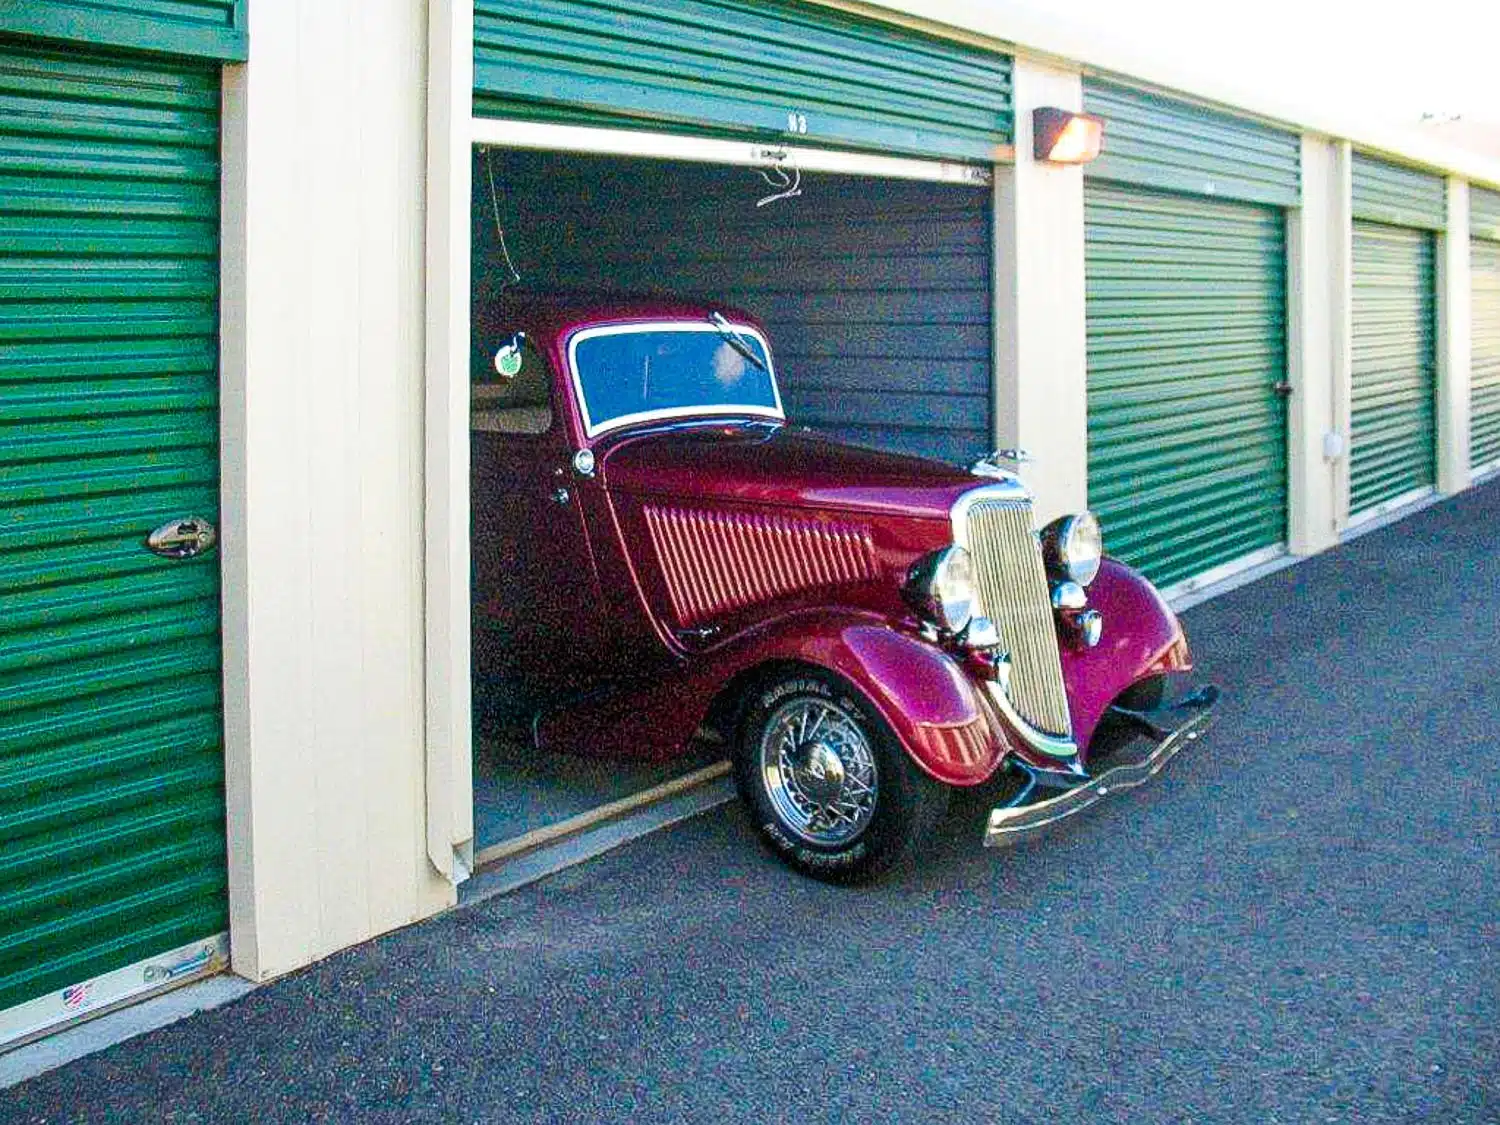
658 555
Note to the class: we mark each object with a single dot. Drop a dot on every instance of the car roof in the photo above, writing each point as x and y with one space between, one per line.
561 312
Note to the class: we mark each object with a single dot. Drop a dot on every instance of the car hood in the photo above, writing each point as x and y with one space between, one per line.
777 465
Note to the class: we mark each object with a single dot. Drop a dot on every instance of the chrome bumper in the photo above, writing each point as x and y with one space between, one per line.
1171 727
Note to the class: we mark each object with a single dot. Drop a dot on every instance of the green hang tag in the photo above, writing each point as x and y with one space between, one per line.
508 361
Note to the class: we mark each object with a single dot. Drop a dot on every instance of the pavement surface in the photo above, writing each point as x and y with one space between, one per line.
1296 922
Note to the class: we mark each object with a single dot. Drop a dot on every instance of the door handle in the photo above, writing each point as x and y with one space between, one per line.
182 539
1284 389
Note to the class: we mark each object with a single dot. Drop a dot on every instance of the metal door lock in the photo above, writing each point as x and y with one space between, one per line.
182 539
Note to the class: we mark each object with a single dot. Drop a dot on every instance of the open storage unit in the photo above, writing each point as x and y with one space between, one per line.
875 288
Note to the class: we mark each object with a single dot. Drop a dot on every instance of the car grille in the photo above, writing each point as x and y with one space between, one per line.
1013 591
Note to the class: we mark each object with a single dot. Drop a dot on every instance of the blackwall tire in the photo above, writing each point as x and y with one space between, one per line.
810 796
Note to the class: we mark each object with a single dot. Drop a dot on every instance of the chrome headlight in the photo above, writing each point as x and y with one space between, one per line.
940 587
1073 547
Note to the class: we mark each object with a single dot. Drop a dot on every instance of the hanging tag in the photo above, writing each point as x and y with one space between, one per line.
508 361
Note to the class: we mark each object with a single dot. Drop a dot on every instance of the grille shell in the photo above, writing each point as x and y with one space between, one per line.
1013 592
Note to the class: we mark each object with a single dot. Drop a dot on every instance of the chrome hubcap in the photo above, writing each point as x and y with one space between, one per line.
819 771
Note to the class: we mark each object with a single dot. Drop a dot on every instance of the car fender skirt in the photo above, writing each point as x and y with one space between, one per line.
934 708
1142 638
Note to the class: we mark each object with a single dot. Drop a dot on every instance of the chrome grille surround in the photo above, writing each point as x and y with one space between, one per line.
993 523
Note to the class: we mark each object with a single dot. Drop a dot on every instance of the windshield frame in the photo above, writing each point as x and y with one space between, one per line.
592 429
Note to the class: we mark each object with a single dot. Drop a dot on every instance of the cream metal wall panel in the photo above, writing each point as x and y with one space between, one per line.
322 470
1313 268
1040 381
1454 324
1395 194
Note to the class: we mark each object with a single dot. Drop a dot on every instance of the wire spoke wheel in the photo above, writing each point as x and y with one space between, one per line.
819 770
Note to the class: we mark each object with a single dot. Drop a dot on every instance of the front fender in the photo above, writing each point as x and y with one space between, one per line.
1142 637
925 697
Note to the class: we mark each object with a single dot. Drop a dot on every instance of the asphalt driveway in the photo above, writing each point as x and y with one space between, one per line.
1297 922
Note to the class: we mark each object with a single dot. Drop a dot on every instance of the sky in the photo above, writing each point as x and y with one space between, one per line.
1390 60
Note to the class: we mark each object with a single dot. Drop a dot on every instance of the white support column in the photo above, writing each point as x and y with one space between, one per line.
1313 320
1041 361
450 780
1454 328
1340 251
321 455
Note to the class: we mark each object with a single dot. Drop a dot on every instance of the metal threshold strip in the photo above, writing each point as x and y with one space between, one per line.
61 1008
540 837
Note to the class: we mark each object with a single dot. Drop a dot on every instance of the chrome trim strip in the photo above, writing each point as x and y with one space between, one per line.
1008 825
727 410
1050 745
1008 489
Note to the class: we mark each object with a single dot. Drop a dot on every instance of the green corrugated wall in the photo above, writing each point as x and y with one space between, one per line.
1392 193
1160 142
111 761
1484 213
1186 303
210 29
772 70
1392 439
1484 398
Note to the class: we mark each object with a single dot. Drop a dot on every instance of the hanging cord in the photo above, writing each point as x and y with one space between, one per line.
515 276
787 187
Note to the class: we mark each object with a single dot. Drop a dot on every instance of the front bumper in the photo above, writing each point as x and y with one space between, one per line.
1170 728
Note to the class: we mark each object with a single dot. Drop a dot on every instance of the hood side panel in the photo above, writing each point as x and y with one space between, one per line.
718 562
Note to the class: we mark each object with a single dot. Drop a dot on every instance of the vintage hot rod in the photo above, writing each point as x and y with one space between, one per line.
658 555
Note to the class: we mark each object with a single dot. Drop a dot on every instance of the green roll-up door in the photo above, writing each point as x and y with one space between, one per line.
1186 343
774 70
111 761
1392 450
1484 400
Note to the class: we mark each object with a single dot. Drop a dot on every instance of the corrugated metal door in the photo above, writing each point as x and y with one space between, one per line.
775 70
1186 301
876 292
111 762
1484 400
1392 438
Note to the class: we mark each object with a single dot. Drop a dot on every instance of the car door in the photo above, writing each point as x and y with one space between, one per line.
538 623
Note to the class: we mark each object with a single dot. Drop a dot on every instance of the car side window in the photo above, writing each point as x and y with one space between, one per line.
509 387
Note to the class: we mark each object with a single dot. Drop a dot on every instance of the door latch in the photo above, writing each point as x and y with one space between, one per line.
1284 389
182 539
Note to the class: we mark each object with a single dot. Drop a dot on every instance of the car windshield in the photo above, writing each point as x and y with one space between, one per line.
638 372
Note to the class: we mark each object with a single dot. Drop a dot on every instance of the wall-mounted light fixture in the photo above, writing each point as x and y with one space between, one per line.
1060 136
